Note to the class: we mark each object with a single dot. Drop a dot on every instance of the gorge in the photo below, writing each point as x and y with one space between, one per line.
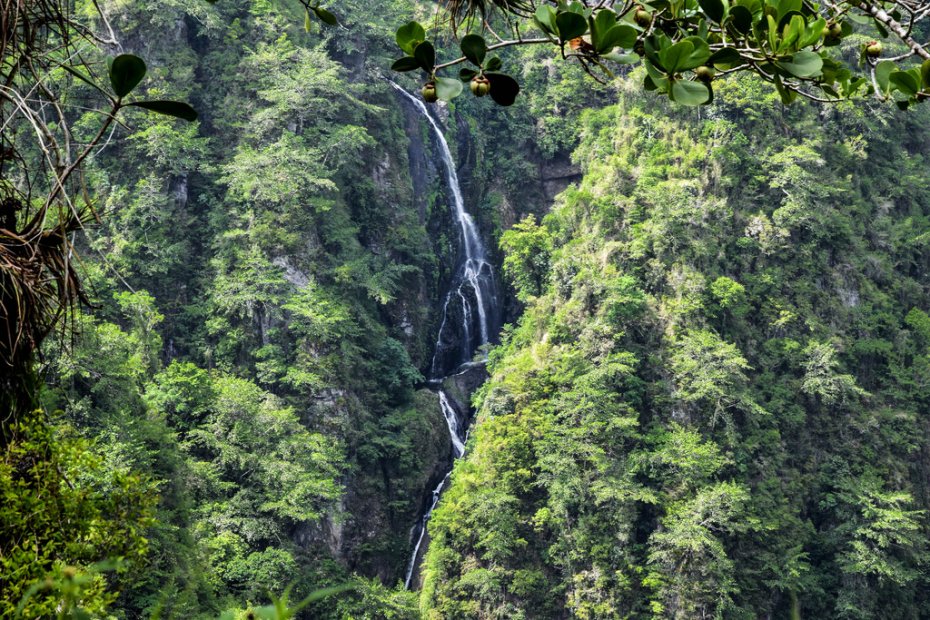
349 355
472 299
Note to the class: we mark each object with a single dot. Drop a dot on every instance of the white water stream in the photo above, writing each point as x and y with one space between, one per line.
474 294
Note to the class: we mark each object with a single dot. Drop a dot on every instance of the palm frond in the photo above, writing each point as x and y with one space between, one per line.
466 10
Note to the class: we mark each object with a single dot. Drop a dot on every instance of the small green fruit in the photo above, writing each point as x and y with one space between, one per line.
836 30
429 92
705 73
873 49
642 17
480 86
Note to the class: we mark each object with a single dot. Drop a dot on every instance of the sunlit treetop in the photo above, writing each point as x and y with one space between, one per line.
824 51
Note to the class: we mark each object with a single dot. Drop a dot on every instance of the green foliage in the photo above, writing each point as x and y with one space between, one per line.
821 378
690 570
919 321
527 246
889 542
711 403
64 511
800 48
730 294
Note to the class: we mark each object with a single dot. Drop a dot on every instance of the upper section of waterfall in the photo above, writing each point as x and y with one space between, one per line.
470 314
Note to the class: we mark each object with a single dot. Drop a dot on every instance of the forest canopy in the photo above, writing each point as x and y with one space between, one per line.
226 249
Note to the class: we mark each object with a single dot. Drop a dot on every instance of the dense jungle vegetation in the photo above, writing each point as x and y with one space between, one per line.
711 398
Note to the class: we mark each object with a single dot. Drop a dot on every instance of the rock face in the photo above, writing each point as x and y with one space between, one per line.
460 386
457 390
557 174
385 503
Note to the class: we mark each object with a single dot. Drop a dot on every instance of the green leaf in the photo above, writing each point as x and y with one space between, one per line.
126 72
545 15
741 17
80 76
604 20
425 54
925 73
658 78
700 55
772 32
787 96
307 23
882 31
176 109
813 33
787 6
623 59
600 24
493 64
906 82
621 35
325 16
792 32
409 36
504 89
803 64
448 88
467 74
576 7
675 57
715 9
883 74
689 93
474 48
570 25
725 58
407 63
651 46
830 91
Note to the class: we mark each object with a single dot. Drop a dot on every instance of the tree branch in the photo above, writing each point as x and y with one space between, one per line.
894 26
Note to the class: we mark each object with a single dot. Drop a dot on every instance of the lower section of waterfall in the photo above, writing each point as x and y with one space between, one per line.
470 316
458 447
412 565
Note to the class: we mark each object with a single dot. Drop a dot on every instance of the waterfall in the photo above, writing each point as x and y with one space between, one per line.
472 297
469 313
452 422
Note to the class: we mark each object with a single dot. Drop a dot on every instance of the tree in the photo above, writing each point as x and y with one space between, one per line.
825 51
65 509
527 246
42 197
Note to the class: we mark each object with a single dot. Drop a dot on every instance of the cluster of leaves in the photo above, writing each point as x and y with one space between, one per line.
126 71
485 79
800 47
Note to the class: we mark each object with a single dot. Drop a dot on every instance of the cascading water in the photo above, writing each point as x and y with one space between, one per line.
452 422
469 314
